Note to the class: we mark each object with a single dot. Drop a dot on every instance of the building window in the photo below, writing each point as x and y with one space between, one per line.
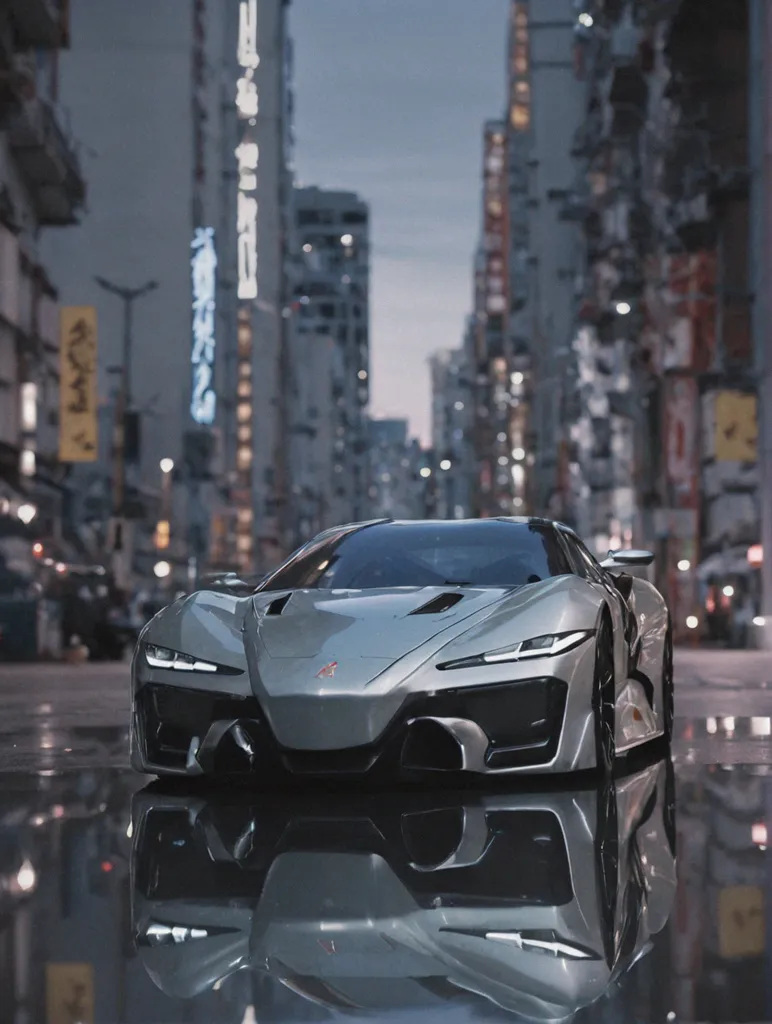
520 117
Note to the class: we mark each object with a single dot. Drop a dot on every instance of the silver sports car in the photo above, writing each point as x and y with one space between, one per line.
398 649
537 903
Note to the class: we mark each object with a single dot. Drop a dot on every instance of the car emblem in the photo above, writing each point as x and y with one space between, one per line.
328 671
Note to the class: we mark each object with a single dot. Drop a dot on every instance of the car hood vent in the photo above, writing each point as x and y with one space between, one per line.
443 603
277 607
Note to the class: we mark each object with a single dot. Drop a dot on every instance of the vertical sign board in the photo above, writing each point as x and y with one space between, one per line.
78 430
69 994
681 404
248 161
736 427
203 268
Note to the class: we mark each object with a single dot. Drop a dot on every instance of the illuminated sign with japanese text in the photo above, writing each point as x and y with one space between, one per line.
203 268
247 154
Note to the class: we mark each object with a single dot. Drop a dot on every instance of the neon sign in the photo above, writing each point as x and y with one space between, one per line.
203 267
247 154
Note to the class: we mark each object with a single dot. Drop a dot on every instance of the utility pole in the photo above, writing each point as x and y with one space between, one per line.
121 558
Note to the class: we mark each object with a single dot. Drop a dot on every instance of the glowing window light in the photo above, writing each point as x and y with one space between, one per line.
29 406
27 462
203 268
711 726
761 726
162 535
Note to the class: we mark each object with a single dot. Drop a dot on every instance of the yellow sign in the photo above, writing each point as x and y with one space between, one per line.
740 921
69 994
736 427
78 384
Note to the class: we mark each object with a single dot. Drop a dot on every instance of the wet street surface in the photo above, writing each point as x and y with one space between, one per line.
122 900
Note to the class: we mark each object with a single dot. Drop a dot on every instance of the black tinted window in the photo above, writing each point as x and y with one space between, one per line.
588 567
487 553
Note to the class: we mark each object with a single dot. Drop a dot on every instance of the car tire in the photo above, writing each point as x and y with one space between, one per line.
604 700
668 686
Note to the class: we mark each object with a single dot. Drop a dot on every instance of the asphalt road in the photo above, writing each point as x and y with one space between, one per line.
54 716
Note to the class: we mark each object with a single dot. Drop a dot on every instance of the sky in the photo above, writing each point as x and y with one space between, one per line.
391 98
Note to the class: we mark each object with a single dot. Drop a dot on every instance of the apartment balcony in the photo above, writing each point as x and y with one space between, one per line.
48 164
39 24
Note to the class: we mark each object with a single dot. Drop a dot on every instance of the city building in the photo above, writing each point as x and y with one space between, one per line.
182 255
452 423
664 446
328 372
42 190
399 472
143 88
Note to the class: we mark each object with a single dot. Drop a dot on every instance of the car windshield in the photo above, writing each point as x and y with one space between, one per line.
490 553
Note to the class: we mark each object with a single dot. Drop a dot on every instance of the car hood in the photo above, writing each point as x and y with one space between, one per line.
380 624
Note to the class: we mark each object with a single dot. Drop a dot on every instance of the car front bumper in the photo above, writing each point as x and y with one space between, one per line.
534 725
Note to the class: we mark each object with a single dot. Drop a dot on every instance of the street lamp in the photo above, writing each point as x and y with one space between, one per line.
128 296
167 465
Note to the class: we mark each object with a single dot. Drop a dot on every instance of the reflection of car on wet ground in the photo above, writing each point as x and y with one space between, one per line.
534 902
491 647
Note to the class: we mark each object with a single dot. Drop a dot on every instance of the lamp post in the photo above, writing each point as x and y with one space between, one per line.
121 560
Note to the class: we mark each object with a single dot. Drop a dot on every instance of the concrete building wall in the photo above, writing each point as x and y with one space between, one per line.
331 308
557 111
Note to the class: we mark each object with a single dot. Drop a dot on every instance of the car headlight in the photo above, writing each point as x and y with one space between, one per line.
157 934
547 942
162 657
546 646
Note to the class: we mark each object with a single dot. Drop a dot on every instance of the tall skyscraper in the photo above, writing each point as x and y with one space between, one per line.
331 353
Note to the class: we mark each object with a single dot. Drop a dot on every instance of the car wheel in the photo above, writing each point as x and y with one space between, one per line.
604 700
668 687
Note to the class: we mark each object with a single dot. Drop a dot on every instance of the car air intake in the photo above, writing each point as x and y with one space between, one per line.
277 607
443 603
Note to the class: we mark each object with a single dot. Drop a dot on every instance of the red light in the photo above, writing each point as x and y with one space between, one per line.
106 866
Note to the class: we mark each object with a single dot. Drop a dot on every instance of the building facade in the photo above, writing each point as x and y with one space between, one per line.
42 190
328 374
452 380
397 486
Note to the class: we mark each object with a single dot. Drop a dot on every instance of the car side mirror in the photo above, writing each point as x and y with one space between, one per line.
629 559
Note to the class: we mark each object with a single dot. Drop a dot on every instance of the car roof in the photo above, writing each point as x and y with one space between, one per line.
517 520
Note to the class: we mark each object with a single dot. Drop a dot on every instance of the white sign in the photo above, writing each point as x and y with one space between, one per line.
247 154
248 56
203 268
